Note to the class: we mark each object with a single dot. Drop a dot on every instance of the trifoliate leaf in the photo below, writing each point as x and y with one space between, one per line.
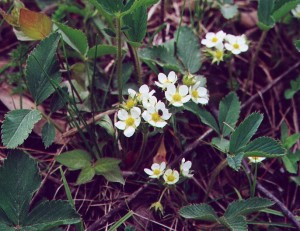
202 212
86 175
75 159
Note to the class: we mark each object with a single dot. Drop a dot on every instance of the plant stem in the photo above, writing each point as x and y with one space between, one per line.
119 56
142 150
137 65
254 181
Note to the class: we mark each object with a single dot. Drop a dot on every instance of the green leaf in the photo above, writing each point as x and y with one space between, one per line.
289 93
235 162
188 49
4 227
204 115
109 168
202 212
237 223
107 124
42 71
48 134
221 143
283 8
74 38
291 140
137 23
264 12
243 133
264 147
19 179
59 99
101 50
229 113
296 179
75 159
115 6
297 44
139 3
86 175
17 126
290 162
245 207
229 11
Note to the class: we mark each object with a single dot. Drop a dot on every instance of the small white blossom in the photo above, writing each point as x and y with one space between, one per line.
199 94
185 168
236 44
256 159
296 11
165 81
171 176
217 55
156 170
129 121
157 115
177 96
214 39
149 102
144 92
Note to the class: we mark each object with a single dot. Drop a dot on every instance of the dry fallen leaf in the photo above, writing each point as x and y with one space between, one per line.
161 153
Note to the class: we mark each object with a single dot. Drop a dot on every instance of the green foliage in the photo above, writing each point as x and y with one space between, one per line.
235 161
295 87
86 175
297 44
42 72
101 50
202 212
75 159
19 180
229 10
237 223
17 126
48 134
107 124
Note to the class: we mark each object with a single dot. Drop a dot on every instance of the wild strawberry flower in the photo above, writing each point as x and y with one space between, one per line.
164 81
185 168
296 11
214 39
236 44
177 96
171 176
198 94
144 92
129 121
217 55
156 170
256 159
148 102
157 115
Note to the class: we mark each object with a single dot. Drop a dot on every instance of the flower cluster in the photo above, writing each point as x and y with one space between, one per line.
218 43
296 11
143 104
170 176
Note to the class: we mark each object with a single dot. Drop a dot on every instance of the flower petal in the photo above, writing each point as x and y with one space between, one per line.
120 125
128 132
183 90
162 77
122 114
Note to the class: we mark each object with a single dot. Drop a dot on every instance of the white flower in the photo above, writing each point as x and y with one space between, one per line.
177 96
129 121
156 170
199 94
149 102
144 92
214 39
165 81
171 176
157 115
217 55
296 11
185 168
236 44
256 159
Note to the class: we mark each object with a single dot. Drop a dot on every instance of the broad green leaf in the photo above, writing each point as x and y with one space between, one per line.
188 49
4 227
229 11
282 8
297 44
75 159
48 134
86 175
205 116
264 147
101 50
50 214
202 212
237 223
19 179
243 133
42 70
235 162
17 126
107 124
291 140
114 175
115 7
284 131
264 12
74 38
109 168
229 113
221 143
139 3
290 162
245 207
137 23
59 99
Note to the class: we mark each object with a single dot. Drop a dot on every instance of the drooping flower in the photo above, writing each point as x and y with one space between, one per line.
214 39
157 115
256 159
296 11
129 121
156 170
236 44
185 168
199 94
177 96
171 176
164 81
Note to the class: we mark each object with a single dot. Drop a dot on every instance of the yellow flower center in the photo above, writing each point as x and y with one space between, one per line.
130 103
156 172
214 40
219 55
195 94
129 121
177 97
236 46
155 117
171 178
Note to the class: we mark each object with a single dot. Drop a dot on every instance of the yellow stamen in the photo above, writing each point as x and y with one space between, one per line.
236 46
171 178
156 172
195 94
219 55
177 97
130 103
129 121
155 117
214 40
